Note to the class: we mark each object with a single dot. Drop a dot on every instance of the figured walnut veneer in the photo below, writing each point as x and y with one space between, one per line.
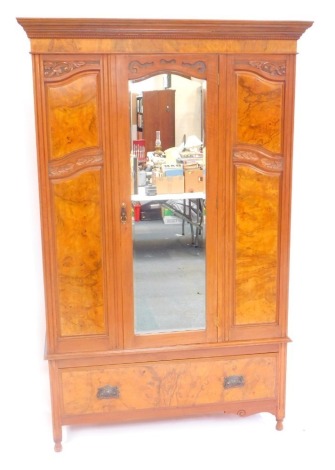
78 232
72 113
258 166
257 214
170 384
259 115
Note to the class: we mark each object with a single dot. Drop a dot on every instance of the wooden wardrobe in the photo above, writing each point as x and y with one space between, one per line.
102 367
158 115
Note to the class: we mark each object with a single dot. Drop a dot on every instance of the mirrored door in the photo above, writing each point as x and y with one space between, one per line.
171 272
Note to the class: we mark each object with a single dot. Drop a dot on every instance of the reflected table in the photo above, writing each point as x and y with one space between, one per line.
189 207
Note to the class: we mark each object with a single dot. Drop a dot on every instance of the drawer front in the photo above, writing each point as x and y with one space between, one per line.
168 384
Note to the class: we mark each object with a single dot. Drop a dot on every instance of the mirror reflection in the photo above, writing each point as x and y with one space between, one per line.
168 169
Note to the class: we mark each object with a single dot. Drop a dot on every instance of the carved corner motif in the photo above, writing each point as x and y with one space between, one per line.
271 68
59 68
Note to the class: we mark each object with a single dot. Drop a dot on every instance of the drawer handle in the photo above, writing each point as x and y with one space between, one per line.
108 392
233 381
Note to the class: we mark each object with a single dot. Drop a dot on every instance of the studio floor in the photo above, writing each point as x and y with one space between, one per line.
169 276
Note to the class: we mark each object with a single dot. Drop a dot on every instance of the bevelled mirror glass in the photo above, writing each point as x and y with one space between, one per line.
168 186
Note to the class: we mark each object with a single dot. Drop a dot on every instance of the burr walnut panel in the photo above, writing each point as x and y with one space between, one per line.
259 111
257 212
168 384
78 232
73 114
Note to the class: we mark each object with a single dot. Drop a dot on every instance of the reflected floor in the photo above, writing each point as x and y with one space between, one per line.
169 278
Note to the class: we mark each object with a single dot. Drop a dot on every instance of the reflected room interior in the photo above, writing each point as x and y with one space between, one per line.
168 186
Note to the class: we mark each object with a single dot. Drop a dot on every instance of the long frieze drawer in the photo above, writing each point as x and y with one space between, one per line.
168 384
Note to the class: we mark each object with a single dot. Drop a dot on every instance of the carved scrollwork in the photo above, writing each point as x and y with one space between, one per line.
200 66
135 65
168 62
241 413
259 160
272 68
62 170
58 68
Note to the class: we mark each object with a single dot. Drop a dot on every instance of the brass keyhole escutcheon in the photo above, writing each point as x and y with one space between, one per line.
123 213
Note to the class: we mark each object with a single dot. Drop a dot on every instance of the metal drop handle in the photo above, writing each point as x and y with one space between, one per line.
233 381
108 391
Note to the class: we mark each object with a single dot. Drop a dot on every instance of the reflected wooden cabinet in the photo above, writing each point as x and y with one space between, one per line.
159 115
101 368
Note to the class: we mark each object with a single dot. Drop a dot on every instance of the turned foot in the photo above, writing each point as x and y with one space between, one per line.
57 435
58 446
279 425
